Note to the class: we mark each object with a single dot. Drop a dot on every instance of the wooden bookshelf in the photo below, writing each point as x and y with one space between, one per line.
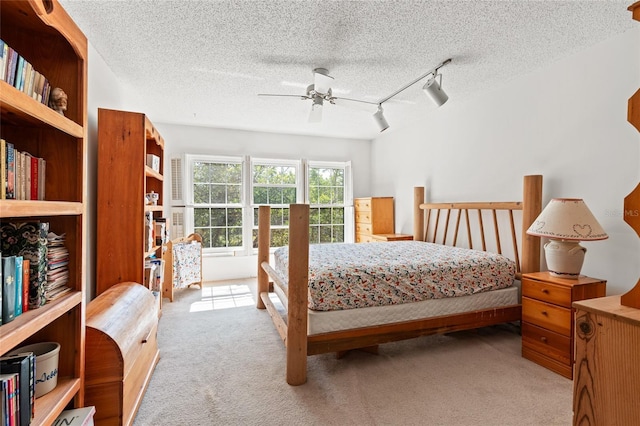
124 140
44 34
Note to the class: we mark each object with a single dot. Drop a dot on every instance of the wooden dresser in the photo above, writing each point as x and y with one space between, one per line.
373 215
122 351
547 317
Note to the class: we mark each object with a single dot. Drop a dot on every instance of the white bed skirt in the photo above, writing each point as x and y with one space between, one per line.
327 321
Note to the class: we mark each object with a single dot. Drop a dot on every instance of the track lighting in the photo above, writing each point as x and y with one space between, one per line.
434 90
431 88
380 120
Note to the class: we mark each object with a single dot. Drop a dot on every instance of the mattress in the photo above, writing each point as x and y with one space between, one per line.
350 276
328 321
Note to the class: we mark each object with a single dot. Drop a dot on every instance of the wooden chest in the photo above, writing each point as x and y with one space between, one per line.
121 351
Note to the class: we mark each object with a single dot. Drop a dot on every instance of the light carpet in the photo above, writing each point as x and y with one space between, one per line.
222 363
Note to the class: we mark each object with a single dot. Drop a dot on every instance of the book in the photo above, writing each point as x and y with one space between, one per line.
9 383
29 239
3 58
8 288
3 169
42 163
22 366
19 69
25 285
19 285
11 169
11 70
76 417
34 177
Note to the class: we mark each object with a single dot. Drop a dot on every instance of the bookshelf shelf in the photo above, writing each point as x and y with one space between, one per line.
32 321
50 405
149 172
44 35
24 208
22 109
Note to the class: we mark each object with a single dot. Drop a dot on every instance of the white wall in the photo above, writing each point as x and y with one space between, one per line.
204 140
104 91
567 122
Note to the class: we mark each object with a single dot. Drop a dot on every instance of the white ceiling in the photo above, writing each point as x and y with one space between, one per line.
204 62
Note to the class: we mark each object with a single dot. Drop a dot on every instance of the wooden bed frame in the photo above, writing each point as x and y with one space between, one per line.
293 328
167 283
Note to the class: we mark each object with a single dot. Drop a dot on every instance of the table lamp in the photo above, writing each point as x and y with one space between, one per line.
566 222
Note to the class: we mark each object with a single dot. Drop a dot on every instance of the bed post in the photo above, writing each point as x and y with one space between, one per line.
418 213
531 208
264 237
298 294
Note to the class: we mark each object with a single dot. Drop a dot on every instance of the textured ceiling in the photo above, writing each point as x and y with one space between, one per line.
204 62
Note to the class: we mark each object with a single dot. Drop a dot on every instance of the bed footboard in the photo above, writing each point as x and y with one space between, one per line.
294 331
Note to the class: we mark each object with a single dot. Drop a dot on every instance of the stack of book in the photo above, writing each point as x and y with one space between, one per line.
18 72
58 267
14 289
22 175
29 240
17 385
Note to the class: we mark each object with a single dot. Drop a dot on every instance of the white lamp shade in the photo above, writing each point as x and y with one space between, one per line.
378 117
435 92
567 219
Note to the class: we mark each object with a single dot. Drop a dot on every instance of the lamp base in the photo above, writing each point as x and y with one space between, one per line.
564 258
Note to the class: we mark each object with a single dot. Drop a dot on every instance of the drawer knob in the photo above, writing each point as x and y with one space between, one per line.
545 313
543 339
545 291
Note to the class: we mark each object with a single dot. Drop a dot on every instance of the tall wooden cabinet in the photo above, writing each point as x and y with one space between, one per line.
43 33
124 178
373 215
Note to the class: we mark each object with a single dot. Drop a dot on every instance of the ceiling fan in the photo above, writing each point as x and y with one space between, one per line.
319 92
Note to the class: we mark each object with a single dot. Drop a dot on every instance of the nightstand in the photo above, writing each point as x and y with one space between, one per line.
548 317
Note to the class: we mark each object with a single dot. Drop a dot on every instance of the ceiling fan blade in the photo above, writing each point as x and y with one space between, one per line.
322 80
303 97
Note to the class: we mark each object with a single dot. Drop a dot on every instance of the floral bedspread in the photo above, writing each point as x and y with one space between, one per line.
347 276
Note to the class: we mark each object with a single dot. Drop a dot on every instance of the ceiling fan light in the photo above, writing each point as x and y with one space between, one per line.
315 116
435 92
378 117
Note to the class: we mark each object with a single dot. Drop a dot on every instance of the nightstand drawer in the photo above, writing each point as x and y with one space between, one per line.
547 315
546 292
546 342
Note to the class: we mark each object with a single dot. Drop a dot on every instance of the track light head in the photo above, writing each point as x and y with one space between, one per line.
434 90
378 117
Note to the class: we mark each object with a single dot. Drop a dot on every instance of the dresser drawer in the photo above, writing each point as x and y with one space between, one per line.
546 342
364 238
363 228
363 217
362 204
547 316
547 292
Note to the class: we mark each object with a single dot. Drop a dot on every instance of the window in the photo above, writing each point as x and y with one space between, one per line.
276 184
224 194
326 197
217 202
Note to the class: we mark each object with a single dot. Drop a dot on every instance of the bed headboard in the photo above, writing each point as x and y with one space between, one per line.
442 223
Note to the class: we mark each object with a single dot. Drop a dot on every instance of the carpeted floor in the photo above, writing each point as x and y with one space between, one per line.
222 363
